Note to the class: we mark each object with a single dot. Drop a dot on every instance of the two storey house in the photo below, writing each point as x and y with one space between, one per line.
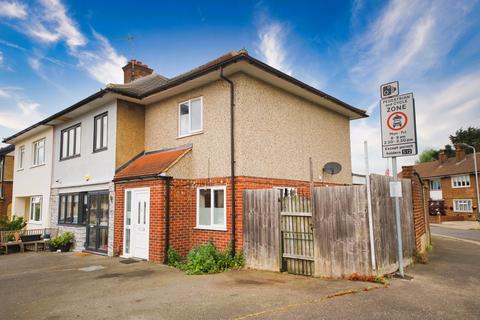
451 185
161 162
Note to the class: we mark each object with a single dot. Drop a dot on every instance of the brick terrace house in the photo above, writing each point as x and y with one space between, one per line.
451 181
232 124
6 181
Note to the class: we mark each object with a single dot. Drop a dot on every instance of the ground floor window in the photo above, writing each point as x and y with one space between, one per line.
287 191
36 209
72 208
463 205
211 213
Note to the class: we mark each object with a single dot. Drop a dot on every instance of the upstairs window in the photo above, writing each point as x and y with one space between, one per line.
190 117
21 157
100 132
38 157
435 184
461 181
70 142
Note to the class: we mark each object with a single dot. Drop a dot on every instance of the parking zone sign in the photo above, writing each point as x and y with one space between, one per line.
399 135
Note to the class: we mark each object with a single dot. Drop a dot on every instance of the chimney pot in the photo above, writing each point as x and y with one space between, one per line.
134 70
459 152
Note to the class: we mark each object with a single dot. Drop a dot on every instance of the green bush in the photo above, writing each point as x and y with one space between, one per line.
62 240
17 223
206 259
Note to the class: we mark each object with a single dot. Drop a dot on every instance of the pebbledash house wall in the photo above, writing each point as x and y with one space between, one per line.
275 134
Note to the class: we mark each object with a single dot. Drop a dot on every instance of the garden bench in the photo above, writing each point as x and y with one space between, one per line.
28 238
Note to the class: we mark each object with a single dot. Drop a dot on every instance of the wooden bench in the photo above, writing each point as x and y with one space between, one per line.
28 238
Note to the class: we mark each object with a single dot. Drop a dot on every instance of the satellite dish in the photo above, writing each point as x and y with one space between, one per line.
332 167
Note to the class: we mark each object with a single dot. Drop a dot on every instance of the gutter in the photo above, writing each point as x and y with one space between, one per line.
167 218
232 156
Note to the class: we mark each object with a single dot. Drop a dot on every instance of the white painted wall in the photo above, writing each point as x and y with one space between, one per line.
436 194
99 166
33 180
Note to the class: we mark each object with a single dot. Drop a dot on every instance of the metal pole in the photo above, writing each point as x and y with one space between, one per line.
398 221
476 177
369 208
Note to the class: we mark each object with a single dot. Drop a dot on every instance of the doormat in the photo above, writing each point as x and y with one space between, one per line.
91 268
129 261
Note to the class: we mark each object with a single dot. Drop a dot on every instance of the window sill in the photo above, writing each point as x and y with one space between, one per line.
99 150
35 222
37 165
69 158
190 134
21 169
71 224
210 228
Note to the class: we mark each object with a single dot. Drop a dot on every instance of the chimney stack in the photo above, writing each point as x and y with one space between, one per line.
459 152
135 70
442 156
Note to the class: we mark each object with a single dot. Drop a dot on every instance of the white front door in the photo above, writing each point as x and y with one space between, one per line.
139 224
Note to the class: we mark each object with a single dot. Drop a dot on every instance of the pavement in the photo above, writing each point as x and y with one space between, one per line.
52 286
461 233
462 225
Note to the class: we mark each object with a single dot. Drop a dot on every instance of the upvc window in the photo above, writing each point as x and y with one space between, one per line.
435 184
211 211
36 209
38 157
287 191
462 205
461 181
190 117
70 142
100 131
72 208
21 157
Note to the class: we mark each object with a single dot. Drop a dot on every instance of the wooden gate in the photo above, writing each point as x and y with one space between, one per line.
297 235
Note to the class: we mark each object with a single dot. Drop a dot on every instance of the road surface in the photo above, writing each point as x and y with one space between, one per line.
472 235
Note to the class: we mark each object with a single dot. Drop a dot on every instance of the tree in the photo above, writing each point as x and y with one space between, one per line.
427 155
469 136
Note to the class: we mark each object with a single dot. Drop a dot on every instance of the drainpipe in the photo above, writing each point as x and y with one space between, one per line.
232 155
167 218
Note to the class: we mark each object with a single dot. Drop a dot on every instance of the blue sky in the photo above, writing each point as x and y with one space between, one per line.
54 53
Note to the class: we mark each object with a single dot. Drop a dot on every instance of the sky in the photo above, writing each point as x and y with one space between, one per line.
54 53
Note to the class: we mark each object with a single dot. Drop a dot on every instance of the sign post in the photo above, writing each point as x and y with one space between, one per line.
399 139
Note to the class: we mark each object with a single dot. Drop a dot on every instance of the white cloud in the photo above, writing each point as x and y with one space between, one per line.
13 9
26 114
34 63
409 41
272 45
1 58
102 62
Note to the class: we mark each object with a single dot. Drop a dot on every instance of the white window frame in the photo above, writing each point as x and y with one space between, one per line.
35 149
456 209
222 227
190 132
461 178
433 181
31 213
21 157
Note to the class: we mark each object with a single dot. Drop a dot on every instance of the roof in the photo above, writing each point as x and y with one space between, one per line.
154 83
7 149
448 168
151 164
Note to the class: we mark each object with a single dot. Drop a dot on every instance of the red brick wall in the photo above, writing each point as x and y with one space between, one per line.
183 234
420 204
449 194
157 217
7 198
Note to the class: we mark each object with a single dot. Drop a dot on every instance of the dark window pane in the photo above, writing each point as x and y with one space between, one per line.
75 209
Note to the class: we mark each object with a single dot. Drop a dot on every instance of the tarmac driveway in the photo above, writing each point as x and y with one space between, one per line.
51 286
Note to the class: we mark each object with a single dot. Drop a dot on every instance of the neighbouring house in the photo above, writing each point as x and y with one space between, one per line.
451 185
6 181
32 173
155 162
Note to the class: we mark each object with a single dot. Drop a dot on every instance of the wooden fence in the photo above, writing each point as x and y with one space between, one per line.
341 243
